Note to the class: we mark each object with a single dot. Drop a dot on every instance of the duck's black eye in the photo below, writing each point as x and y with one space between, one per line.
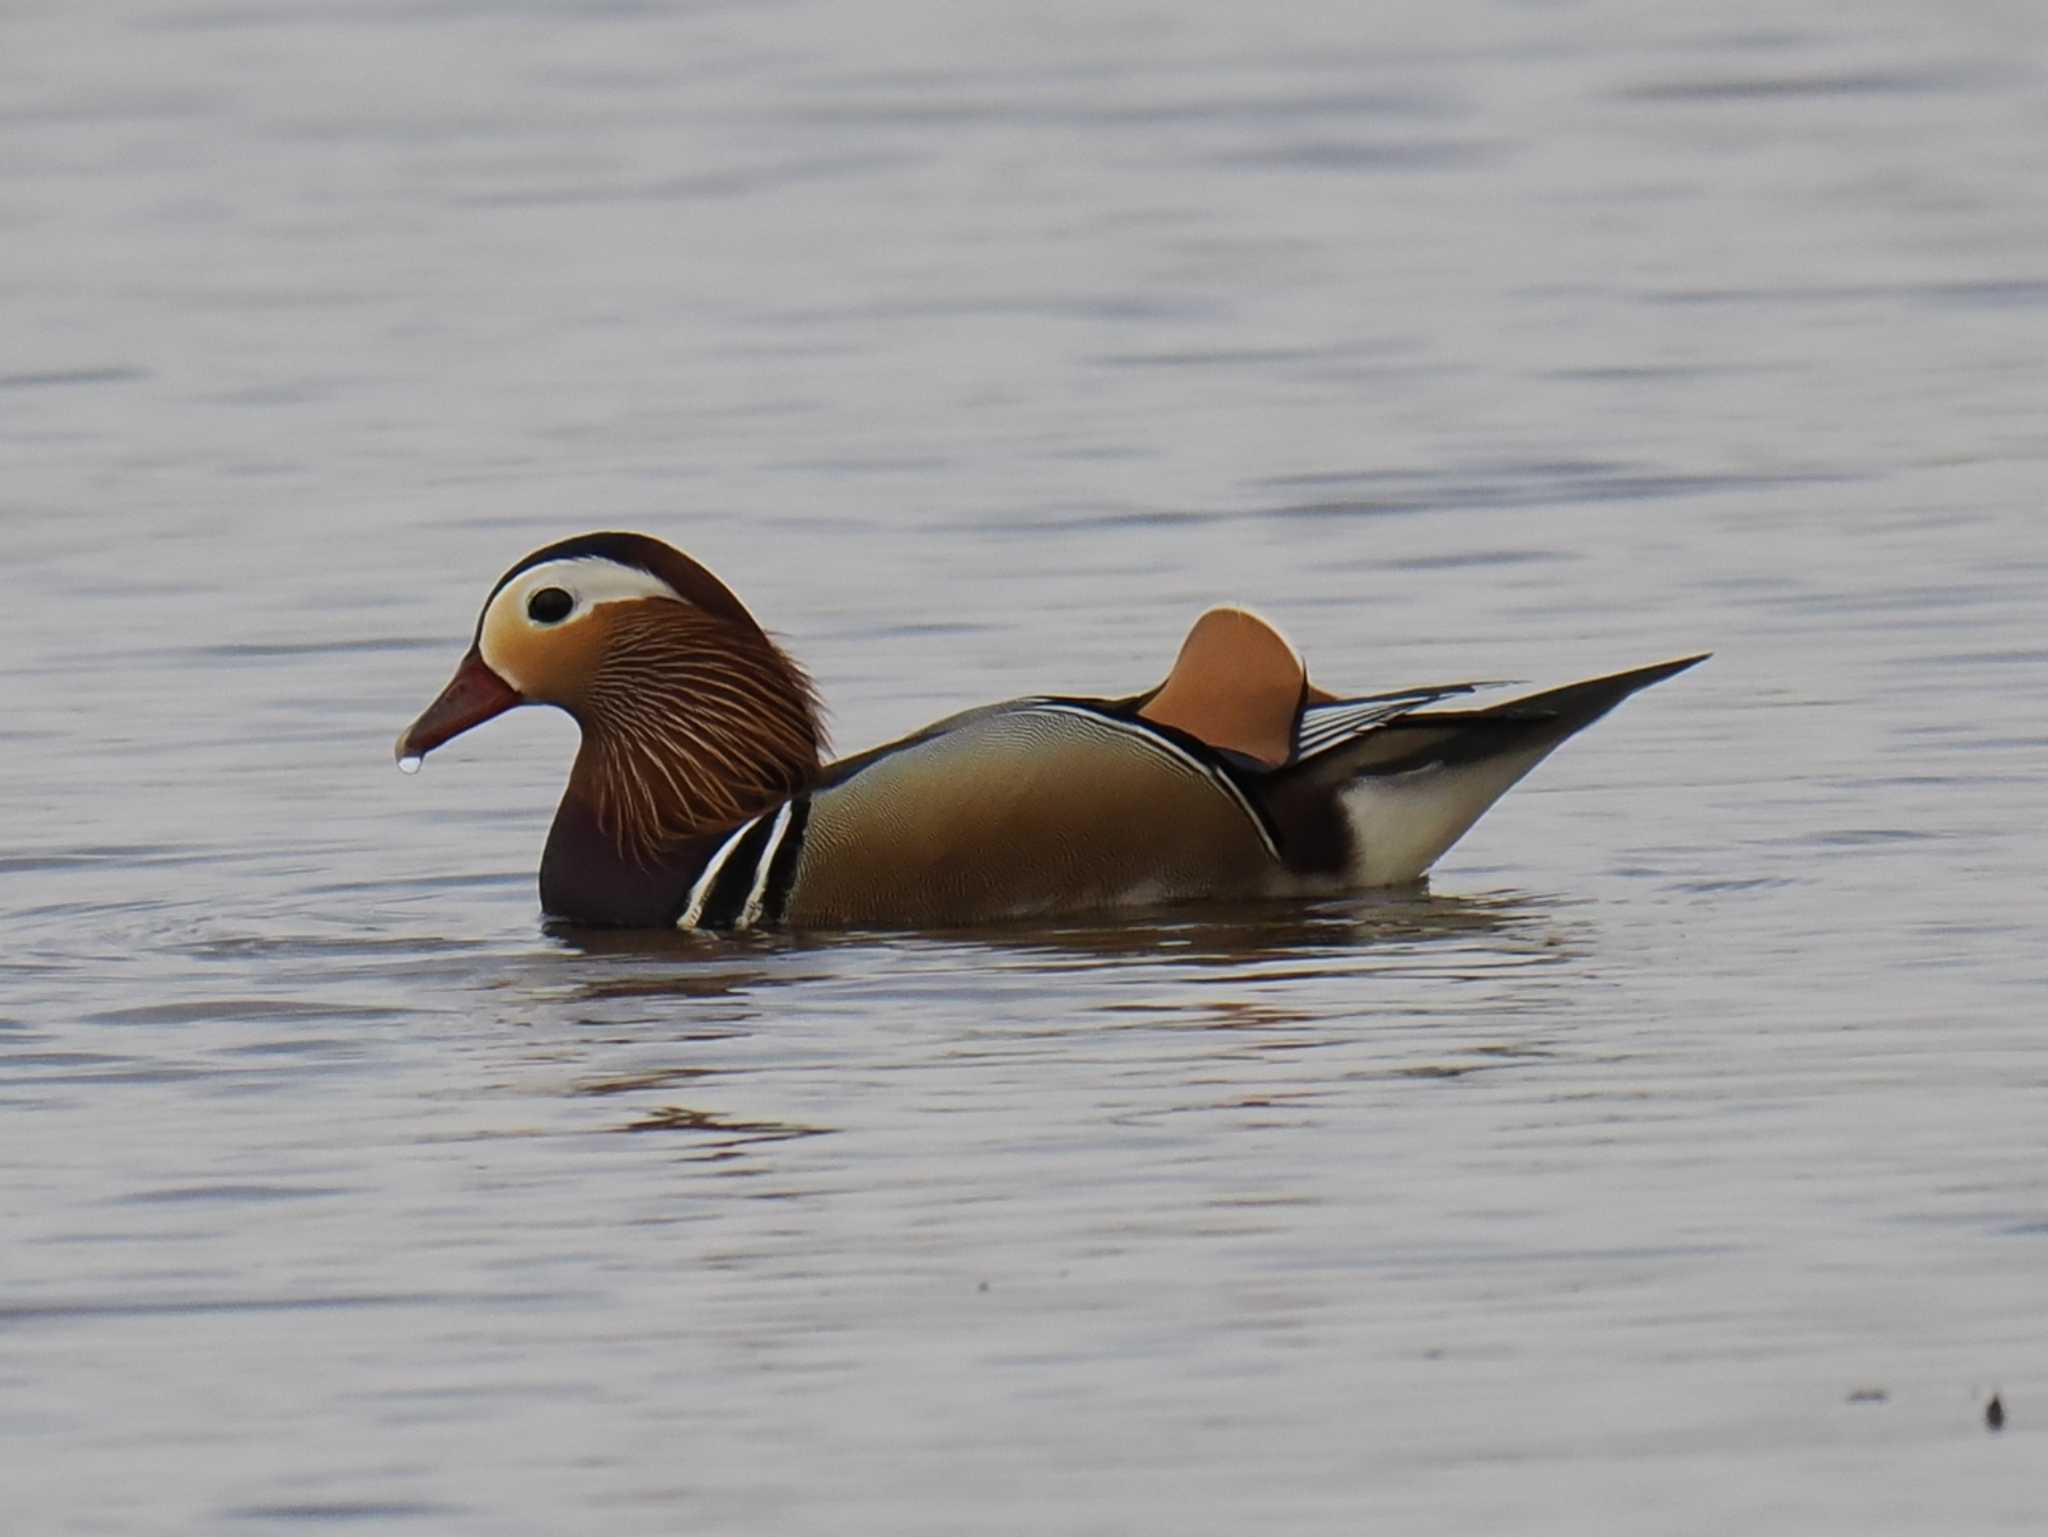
550 605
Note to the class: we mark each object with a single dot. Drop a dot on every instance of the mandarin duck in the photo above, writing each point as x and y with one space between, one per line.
701 796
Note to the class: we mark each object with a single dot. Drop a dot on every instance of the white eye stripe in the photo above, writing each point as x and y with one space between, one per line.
590 580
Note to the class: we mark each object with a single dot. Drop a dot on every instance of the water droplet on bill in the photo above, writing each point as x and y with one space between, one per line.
410 763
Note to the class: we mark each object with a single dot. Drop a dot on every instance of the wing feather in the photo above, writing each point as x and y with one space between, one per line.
1337 721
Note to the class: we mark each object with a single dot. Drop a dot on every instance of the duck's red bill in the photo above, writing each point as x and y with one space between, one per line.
472 697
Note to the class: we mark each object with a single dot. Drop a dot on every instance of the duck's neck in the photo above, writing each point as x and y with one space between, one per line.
584 878
684 736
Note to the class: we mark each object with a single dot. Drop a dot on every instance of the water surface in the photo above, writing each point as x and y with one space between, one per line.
1674 1161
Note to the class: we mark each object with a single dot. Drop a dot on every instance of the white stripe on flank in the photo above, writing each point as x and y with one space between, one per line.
701 892
751 913
1174 753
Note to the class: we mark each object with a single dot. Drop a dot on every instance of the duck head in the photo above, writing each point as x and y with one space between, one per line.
692 717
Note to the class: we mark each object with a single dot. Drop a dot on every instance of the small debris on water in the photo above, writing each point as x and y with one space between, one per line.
1994 1414
1868 1396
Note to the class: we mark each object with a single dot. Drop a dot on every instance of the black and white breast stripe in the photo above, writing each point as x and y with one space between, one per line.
746 880
1156 740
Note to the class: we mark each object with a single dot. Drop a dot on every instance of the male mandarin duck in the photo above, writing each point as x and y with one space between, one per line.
701 797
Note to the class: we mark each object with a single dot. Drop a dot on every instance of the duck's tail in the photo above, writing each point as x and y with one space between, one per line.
1383 807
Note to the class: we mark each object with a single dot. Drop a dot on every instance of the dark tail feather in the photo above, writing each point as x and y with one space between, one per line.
1583 703
1452 737
1486 750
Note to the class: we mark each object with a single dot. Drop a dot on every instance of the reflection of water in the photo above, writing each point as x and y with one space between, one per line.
642 1015
723 1136
1195 934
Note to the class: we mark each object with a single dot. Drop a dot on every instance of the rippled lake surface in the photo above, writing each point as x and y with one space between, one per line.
1677 1161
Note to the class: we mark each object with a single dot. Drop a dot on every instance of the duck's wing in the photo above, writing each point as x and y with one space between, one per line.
1331 722
1033 807
1410 784
1237 685
1240 687
1050 805
842 769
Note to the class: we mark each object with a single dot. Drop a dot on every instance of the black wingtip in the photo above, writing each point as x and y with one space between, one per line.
1626 683
1657 672
1584 702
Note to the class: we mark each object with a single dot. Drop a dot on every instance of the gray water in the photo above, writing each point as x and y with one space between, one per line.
1675 1162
